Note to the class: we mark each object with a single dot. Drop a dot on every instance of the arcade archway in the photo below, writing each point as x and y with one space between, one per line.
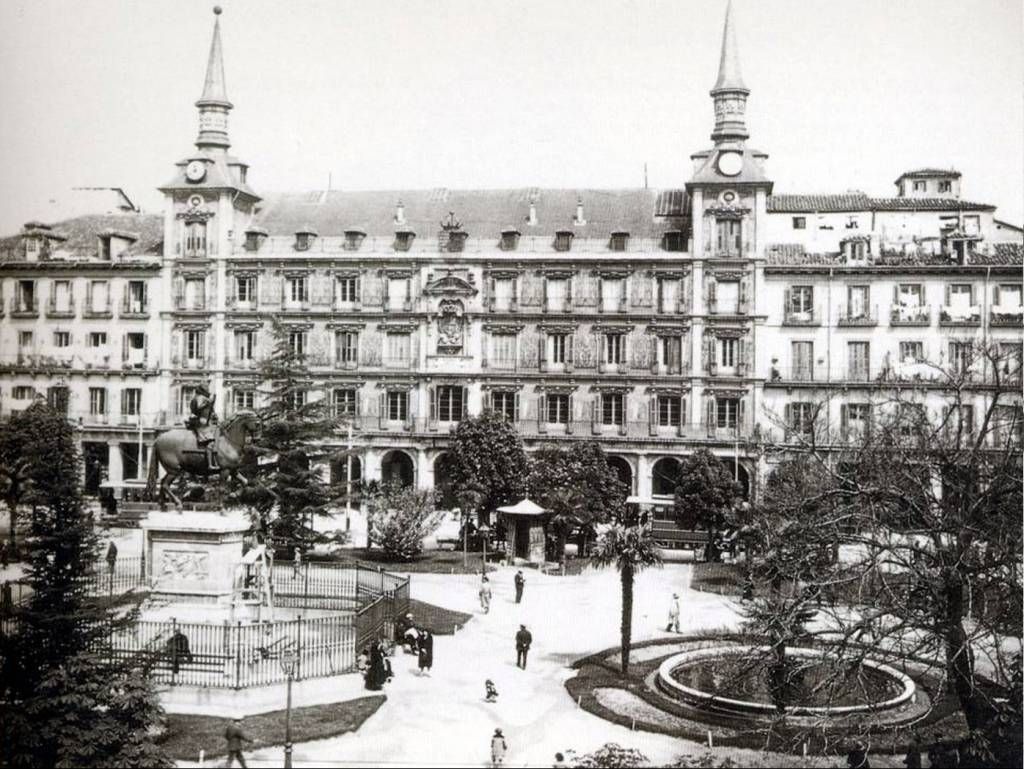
398 467
624 471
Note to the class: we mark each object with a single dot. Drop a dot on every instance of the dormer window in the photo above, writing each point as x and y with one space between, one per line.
563 240
105 248
531 219
945 186
254 237
579 221
400 213
673 241
304 239
456 241
354 239
920 186
856 250
509 240
619 241
404 239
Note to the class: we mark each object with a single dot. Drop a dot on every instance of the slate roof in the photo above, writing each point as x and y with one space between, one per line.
859 201
482 213
81 234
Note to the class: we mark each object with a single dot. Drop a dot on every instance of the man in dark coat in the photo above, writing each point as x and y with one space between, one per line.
377 674
111 556
523 641
520 584
235 737
426 651
178 649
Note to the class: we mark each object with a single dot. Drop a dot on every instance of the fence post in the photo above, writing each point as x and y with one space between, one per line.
298 664
174 651
238 656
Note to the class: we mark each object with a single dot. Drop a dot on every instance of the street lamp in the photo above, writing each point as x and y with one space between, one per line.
289 660
483 530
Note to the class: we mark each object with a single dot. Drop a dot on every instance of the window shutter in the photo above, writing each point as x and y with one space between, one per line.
896 295
465 403
126 297
433 395
949 294
997 303
682 416
515 408
712 296
741 417
145 348
787 302
542 349
569 417
744 294
595 415
124 347
844 421
652 415
710 415
741 356
542 413
570 351
488 401
788 420
410 410
382 413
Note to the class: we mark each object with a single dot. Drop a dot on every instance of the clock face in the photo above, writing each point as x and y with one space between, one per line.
195 171
730 163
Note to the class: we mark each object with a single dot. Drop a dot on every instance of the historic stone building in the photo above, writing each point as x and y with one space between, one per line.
655 321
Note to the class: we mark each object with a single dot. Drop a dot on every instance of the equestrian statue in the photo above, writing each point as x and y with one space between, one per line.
203 447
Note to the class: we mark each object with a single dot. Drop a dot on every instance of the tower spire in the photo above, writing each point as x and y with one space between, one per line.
213 104
730 92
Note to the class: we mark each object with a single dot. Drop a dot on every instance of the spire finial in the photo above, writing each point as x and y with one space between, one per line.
213 104
729 76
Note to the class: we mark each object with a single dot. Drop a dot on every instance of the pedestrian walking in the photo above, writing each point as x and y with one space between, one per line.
297 563
235 737
523 640
111 556
178 649
673 615
377 674
426 652
5 555
520 584
6 599
492 691
485 595
498 748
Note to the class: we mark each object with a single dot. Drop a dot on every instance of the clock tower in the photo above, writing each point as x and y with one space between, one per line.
208 206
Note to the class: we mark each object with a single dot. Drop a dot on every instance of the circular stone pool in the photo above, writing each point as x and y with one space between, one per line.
732 679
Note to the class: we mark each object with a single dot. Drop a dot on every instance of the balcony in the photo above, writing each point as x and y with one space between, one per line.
134 309
563 304
859 317
242 305
808 317
24 307
67 310
960 316
910 315
242 364
398 364
510 364
619 306
97 310
799 374
135 359
193 304
1006 317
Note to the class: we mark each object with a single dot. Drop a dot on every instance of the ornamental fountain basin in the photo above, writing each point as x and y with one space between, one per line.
714 679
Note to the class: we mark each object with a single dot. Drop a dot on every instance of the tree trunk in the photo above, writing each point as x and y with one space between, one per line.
627 615
960 658
12 510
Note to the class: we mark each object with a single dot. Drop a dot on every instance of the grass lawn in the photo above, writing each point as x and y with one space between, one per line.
429 561
188 734
437 619
721 578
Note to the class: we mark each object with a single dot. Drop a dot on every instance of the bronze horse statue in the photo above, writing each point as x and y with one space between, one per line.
178 452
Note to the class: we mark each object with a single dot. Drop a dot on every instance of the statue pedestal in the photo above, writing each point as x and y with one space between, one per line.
193 556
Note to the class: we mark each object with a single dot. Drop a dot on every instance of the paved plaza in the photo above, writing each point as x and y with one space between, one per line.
443 719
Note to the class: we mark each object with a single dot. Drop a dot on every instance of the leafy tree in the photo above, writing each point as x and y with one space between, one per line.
488 461
286 488
401 517
64 702
629 547
577 486
932 501
706 496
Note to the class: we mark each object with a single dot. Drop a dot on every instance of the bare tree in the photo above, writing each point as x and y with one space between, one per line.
925 496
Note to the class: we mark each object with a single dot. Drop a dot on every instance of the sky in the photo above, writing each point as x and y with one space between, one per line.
507 93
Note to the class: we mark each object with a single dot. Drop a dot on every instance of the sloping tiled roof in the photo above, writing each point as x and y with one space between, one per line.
82 232
928 204
858 201
919 172
800 204
1002 253
482 213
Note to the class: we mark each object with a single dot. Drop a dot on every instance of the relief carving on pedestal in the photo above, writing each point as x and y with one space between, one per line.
372 353
183 565
532 291
586 353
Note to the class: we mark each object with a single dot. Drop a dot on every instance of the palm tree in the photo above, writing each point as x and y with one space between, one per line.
630 549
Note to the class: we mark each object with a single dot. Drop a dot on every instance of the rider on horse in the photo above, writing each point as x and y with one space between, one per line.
203 415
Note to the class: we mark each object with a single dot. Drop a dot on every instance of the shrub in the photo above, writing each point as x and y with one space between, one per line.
401 517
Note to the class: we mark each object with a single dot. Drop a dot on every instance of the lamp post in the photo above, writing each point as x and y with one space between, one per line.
483 530
289 659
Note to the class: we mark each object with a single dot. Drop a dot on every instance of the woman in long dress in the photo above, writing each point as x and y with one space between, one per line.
377 673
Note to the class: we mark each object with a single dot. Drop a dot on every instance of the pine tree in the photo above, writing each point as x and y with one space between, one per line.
65 702
286 488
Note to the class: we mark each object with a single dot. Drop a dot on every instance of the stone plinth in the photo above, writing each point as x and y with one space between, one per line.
193 556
